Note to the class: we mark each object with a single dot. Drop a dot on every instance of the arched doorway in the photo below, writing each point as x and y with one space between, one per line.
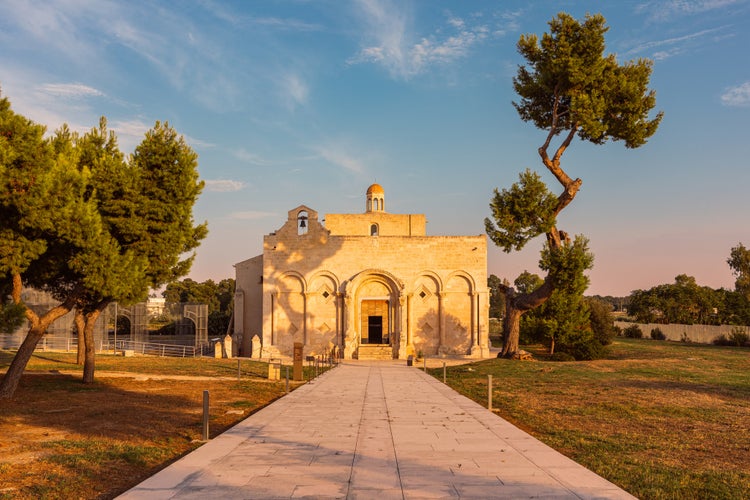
373 316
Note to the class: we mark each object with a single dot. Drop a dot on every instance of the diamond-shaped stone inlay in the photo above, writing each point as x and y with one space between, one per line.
423 293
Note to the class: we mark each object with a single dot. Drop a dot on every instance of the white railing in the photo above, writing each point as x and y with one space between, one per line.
154 349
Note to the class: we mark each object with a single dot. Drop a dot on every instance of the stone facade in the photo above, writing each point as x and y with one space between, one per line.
364 279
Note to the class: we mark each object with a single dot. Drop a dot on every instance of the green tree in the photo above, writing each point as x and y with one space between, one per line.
47 220
497 300
569 88
149 213
739 262
219 298
601 319
566 322
104 229
683 302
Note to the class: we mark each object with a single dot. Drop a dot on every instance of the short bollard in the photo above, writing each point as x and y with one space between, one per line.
205 416
238 369
443 371
287 380
489 392
424 364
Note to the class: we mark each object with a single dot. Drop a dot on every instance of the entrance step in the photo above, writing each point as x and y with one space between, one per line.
375 351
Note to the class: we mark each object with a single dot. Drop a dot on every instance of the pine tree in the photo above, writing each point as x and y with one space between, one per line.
568 88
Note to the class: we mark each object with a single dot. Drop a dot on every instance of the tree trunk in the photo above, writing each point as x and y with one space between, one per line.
511 329
515 305
80 325
90 358
552 346
37 330
13 376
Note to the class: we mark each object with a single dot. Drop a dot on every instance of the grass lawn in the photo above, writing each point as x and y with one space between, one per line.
659 419
61 439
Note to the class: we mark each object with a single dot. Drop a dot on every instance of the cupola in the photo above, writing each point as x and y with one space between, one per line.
375 198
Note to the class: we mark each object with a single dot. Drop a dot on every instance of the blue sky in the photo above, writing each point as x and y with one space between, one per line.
309 102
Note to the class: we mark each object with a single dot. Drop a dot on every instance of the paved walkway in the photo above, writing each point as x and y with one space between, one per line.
374 430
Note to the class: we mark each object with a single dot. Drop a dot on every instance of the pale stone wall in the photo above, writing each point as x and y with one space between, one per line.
388 224
691 333
315 281
248 309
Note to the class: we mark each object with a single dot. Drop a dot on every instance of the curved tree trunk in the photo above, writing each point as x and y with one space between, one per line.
37 330
515 305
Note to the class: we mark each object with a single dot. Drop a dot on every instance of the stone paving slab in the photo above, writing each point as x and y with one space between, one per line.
375 430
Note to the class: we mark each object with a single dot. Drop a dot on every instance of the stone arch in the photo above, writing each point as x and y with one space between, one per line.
432 276
373 311
323 302
286 282
425 312
288 316
466 276
459 311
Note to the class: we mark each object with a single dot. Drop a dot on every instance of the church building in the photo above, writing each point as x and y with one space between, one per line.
371 285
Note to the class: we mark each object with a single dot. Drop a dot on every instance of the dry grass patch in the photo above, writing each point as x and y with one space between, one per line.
60 438
660 419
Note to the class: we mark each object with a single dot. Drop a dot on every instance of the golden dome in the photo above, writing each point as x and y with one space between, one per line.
375 189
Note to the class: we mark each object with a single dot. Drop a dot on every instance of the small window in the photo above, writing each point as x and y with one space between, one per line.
374 230
302 222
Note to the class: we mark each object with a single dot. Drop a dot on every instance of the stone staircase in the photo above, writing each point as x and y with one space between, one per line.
375 351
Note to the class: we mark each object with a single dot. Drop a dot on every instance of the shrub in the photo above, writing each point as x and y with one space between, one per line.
739 336
561 356
721 340
657 334
633 332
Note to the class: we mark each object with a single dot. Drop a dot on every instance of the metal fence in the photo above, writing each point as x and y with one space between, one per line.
154 349
67 343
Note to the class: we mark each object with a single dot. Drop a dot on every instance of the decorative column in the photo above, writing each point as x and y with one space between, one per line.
274 319
350 341
306 296
475 349
402 327
339 322
441 323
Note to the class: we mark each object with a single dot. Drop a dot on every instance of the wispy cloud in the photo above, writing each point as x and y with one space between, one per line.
677 45
251 215
661 10
403 54
738 95
248 157
224 185
337 156
228 15
131 128
69 90
294 91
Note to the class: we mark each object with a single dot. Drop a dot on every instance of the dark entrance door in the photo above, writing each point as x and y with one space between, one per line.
374 329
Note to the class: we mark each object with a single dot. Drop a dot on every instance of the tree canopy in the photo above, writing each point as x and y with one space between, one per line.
88 226
739 262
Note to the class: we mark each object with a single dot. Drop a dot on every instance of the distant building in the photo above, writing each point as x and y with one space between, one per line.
364 285
155 306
